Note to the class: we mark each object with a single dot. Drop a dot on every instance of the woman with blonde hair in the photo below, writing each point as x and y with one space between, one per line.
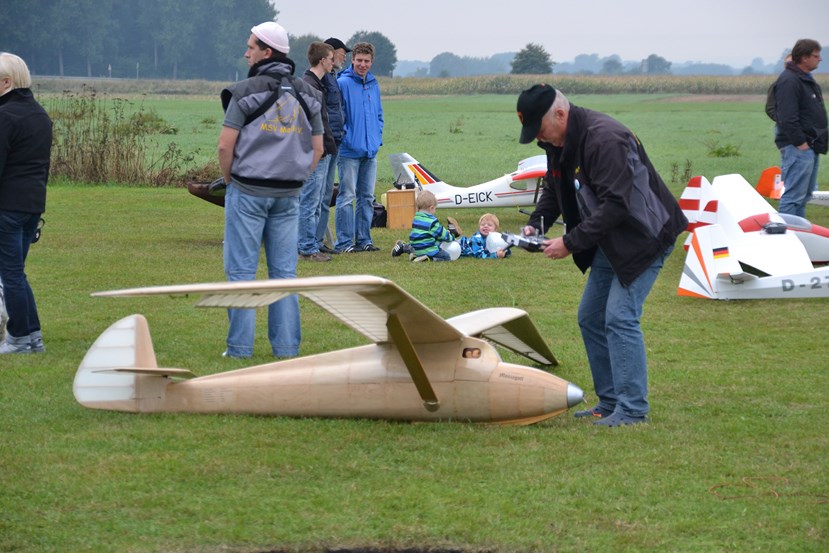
25 147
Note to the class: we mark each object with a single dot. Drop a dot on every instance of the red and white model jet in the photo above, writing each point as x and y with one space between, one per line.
739 247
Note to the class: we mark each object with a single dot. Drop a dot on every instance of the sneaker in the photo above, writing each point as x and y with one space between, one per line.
598 412
369 248
36 342
453 227
15 345
400 248
318 256
329 251
420 258
620 419
347 249
229 356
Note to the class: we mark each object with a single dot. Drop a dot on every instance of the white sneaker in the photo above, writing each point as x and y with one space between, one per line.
15 345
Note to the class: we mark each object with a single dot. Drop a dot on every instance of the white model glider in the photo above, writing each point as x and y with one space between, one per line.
739 247
519 188
419 367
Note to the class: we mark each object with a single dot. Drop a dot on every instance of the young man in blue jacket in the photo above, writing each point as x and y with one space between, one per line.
357 163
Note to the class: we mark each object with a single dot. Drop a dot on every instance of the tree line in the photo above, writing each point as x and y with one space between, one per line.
205 39
162 39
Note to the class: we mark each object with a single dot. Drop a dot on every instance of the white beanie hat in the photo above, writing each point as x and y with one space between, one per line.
273 34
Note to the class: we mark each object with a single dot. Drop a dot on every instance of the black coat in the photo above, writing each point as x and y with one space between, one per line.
610 196
25 148
800 111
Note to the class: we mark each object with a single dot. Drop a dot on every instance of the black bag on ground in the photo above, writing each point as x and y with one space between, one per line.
380 217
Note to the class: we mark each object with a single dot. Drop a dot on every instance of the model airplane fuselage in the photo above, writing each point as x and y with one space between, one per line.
419 368
519 188
739 247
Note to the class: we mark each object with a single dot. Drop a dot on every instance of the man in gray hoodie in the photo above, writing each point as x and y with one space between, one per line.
271 140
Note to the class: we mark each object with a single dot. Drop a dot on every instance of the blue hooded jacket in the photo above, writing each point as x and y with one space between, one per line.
363 115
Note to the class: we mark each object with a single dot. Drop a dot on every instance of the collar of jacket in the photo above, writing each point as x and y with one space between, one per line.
284 66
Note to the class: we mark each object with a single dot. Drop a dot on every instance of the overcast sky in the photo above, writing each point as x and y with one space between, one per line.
733 32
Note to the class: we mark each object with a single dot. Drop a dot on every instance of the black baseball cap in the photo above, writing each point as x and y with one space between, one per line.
533 103
336 44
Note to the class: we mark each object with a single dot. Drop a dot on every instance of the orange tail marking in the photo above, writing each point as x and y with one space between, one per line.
770 185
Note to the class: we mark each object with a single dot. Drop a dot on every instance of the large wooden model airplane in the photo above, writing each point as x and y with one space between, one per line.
420 367
519 188
739 247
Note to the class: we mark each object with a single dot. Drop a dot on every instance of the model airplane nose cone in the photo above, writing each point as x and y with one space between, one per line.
574 395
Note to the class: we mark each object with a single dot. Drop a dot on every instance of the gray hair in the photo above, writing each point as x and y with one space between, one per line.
15 68
561 101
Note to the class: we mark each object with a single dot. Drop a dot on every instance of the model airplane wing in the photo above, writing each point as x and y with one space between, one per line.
364 303
508 327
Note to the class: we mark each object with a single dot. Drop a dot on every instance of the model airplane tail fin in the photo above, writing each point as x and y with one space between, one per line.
708 257
699 204
408 170
119 372
770 185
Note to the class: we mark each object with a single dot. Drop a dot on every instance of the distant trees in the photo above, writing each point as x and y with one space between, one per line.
532 60
147 38
612 66
656 65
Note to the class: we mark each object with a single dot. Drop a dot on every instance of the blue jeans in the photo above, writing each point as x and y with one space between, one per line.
799 175
16 232
325 200
353 224
310 198
609 316
442 255
250 222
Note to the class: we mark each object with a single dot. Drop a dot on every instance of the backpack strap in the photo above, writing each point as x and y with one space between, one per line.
266 105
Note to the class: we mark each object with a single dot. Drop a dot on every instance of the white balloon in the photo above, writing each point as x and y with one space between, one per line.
452 248
494 242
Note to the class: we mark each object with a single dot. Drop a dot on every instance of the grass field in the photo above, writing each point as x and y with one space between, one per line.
734 459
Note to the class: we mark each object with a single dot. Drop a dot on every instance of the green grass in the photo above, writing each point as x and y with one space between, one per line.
734 458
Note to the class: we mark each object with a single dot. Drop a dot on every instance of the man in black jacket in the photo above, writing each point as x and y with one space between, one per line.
621 222
25 148
801 126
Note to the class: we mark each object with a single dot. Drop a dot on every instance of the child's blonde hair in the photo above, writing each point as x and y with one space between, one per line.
490 217
426 200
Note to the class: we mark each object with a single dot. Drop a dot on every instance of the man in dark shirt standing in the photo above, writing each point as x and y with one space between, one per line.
801 126
621 223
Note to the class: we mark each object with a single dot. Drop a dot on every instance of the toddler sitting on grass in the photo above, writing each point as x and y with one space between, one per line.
427 233
475 245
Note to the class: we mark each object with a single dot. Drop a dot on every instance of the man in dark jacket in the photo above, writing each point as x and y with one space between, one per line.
801 126
25 147
621 223
311 200
336 120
